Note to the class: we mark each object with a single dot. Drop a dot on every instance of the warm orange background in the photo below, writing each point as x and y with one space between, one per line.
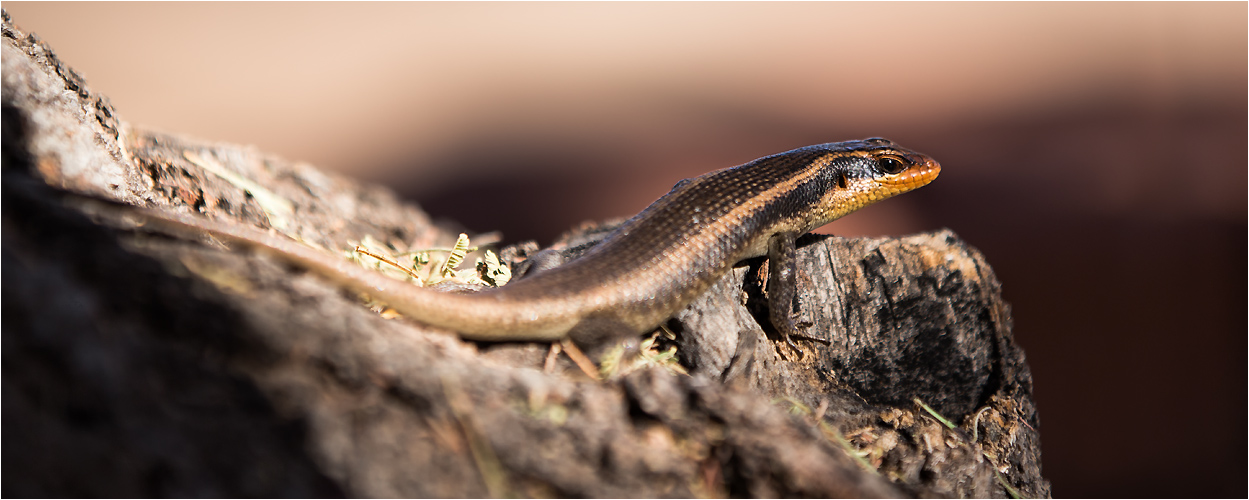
1096 152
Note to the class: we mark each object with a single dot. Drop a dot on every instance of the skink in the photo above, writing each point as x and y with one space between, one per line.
653 264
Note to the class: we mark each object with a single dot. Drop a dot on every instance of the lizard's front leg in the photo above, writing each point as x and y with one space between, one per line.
782 284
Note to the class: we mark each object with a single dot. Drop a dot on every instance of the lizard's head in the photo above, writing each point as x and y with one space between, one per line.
860 173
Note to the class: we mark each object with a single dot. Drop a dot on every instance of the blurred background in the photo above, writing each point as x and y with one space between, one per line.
1095 152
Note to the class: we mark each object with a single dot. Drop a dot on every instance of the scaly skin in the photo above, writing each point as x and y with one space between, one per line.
652 265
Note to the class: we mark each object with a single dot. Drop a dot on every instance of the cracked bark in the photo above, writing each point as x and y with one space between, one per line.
137 364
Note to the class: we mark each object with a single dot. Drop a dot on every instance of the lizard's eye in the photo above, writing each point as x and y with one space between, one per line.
891 165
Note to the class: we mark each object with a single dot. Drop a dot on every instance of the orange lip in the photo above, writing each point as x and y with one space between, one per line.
925 171
930 171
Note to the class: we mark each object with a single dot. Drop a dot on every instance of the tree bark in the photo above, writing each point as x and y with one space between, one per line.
140 364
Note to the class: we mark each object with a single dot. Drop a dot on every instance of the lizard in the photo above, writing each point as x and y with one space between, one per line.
653 264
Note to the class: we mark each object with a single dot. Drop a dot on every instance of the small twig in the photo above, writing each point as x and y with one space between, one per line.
277 209
935 414
1014 493
374 255
834 434
819 412
1025 423
829 431
975 424
551 356
580 359
667 332
443 250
